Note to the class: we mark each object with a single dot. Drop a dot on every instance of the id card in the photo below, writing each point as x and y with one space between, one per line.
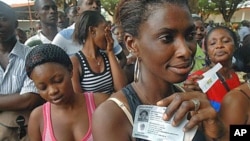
149 125
210 77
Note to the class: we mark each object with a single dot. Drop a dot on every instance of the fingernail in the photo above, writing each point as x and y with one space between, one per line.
165 116
173 123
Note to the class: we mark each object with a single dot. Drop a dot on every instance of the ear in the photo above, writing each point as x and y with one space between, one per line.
131 44
92 31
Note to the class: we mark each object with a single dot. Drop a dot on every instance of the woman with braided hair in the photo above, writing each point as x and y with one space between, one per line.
67 115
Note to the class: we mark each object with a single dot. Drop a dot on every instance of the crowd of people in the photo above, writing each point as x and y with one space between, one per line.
80 78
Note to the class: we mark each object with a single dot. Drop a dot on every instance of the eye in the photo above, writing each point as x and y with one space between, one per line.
46 7
58 79
225 40
41 87
191 35
167 38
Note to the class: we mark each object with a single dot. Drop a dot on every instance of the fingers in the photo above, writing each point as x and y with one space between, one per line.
180 104
191 82
109 39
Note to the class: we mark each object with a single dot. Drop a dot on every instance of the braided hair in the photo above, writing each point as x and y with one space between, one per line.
46 53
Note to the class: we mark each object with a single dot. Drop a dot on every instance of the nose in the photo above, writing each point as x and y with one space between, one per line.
219 44
52 90
184 49
96 5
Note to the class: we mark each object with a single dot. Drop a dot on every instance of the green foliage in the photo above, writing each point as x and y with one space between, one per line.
109 6
224 7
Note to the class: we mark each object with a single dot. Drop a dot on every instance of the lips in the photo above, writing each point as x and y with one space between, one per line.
181 68
220 53
56 98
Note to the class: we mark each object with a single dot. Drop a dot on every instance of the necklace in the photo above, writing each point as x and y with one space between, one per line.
97 60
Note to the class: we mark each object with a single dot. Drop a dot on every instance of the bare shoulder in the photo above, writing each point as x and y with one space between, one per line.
74 59
37 112
110 122
237 96
100 97
237 102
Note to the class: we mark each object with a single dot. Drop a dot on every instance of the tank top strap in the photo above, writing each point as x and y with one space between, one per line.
90 102
132 98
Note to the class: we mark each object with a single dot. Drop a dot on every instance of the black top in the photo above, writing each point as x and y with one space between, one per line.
134 101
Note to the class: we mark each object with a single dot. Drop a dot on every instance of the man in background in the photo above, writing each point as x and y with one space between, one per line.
46 11
18 94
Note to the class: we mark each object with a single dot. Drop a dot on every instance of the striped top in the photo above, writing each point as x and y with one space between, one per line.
95 82
14 78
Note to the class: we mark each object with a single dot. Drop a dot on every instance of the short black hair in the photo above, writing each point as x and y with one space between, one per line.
45 53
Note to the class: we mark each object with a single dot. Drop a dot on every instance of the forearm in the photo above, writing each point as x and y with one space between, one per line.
214 129
122 59
118 74
15 102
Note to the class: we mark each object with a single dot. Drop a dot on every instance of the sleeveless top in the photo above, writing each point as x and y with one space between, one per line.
48 134
95 82
134 101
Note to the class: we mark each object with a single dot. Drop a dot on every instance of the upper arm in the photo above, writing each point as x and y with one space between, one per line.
35 125
110 123
233 108
76 74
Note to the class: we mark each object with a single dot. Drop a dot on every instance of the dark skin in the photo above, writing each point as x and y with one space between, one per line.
170 38
102 40
95 5
46 11
55 86
235 101
13 101
220 48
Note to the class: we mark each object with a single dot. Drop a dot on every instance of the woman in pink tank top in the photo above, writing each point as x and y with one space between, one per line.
66 116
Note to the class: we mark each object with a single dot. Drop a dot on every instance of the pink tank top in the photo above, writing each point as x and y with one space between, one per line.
48 134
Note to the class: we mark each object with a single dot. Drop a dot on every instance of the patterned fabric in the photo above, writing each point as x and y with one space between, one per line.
216 93
48 134
95 82
200 59
14 79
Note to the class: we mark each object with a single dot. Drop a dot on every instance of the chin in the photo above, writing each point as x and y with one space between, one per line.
179 79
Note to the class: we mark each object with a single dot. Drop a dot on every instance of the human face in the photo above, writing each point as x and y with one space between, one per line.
166 44
100 39
7 24
118 32
220 46
200 30
94 5
53 82
47 12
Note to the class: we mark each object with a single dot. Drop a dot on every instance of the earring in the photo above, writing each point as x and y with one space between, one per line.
137 70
